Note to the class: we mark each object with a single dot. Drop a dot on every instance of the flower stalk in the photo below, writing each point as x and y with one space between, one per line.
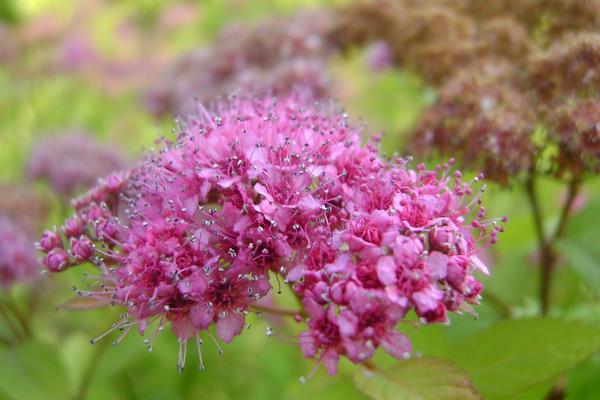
546 243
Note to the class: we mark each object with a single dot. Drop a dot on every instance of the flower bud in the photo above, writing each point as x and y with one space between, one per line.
56 260
82 248
73 227
49 241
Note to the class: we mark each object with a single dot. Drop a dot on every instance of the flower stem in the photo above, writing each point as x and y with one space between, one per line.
5 341
501 308
548 252
546 244
10 323
536 210
19 317
574 186
88 374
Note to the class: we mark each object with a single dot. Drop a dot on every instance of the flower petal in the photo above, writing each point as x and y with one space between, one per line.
230 326
397 345
386 270
330 359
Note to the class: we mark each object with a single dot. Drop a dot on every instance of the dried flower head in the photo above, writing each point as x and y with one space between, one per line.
568 68
253 187
362 22
575 126
563 16
482 115
504 36
72 161
554 17
379 56
434 40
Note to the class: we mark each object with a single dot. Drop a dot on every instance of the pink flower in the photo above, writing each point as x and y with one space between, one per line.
56 260
379 56
254 187
72 161
17 257
49 241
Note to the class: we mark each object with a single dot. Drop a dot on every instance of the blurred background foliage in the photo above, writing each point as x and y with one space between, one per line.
521 360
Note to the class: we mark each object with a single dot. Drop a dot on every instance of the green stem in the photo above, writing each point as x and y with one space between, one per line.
10 323
5 341
19 317
546 244
502 309
548 252
536 210
129 386
544 254
88 374
574 186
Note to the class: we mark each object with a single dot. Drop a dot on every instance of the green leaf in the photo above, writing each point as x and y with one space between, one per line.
581 225
33 371
417 379
584 258
583 381
76 353
510 357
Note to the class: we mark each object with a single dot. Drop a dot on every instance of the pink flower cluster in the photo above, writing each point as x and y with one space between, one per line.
18 261
72 160
258 187
273 55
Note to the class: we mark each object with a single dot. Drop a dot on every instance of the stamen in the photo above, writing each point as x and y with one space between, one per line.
116 326
219 349
182 355
199 343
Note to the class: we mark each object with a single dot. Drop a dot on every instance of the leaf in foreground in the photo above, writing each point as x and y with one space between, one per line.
511 356
417 379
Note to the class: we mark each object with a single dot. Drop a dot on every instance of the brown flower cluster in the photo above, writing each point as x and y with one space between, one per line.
482 117
565 79
567 68
552 17
503 68
576 128
434 38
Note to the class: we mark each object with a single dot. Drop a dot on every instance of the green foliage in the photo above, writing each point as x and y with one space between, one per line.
510 357
33 371
548 153
580 245
583 381
417 379
584 258
9 12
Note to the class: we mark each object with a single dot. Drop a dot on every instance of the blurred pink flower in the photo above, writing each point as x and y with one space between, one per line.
77 52
71 161
18 262
379 56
